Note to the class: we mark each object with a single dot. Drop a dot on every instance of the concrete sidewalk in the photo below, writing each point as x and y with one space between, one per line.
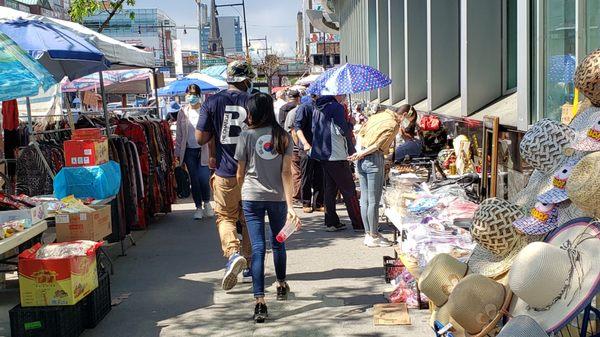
172 283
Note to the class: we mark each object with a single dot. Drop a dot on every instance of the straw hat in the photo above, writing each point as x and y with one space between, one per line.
590 141
522 326
498 242
556 279
478 303
440 277
587 77
544 145
543 219
559 181
583 187
442 315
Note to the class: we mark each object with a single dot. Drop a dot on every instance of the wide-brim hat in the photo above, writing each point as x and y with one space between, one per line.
558 193
541 272
478 303
522 326
440 276
442 315
583 187
587 77
498 242
590 140
540 222
545 144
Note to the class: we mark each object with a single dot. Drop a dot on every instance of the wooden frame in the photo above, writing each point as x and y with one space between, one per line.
491 131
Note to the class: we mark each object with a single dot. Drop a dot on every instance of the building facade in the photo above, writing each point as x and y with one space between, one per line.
467 58
150 29
231 33
52 8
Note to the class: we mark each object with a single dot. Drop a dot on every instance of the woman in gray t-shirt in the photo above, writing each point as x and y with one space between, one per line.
264 155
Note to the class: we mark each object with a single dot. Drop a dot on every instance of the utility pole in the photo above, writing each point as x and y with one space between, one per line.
199 2
324 51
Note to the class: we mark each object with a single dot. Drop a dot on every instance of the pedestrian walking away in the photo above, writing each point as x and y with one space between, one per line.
194 156
264 154
221 119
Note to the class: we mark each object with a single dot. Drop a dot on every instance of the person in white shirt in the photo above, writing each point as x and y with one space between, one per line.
280 102
194 156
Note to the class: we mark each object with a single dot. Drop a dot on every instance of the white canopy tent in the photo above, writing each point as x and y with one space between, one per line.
120 54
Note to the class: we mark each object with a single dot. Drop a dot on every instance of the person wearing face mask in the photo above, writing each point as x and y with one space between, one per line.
412 146
330 145
376 137
194 156
221 119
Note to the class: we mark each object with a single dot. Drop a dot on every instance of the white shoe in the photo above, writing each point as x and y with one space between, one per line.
199 214
383 242
367 239
377 241
208 210
370 241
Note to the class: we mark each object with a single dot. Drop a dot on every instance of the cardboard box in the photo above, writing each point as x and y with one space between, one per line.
87 134
93 226
52 282
86 152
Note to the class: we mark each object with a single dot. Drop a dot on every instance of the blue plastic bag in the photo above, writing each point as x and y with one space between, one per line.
98 182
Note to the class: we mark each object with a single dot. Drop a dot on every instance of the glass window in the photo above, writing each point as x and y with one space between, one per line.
559 58
511 44
593 25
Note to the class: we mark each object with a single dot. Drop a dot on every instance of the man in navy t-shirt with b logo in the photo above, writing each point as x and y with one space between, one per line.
222 118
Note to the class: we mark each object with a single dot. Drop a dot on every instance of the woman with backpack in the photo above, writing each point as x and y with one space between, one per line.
264 155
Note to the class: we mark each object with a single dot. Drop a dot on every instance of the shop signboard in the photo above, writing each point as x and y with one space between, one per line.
177 57
318 37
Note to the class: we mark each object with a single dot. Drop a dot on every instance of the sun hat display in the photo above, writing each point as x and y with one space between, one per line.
440 276
543 219
583 187
545 144
478 303
522 326
555 280
590 141
498 242
558 193
587 77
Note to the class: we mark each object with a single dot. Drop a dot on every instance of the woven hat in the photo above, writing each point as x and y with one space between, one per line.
555 280
478 303
498 242
590 141
543 219
544 145
440 277
522 326
442 315
583 187
558 193
587 77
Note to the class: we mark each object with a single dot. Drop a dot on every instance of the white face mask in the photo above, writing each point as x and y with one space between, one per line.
405 123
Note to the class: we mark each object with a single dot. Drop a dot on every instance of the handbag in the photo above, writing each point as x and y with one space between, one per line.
183 182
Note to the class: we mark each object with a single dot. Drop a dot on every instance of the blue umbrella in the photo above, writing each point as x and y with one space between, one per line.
60 50
561 68
179 87
20 74
348 79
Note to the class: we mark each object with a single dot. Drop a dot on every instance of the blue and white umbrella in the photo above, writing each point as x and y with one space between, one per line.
179 87
348 79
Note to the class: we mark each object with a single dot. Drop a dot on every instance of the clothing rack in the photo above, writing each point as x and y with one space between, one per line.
49 131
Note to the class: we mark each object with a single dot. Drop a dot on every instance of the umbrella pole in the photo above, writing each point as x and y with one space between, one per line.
29 119
104 107
155 78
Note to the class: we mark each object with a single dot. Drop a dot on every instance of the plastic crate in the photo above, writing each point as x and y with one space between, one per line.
97 304
59 321
391 266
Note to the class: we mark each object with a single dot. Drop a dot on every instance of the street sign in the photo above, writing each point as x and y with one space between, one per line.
214 62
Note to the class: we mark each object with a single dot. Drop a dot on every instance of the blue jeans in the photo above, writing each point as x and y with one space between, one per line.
371 172
199 176
255 211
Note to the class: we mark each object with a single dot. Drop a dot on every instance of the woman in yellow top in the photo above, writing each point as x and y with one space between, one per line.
376 137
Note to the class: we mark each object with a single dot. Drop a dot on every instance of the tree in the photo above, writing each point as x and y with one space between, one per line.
83 8
269 66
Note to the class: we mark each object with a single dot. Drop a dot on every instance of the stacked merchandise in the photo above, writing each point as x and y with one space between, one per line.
535 262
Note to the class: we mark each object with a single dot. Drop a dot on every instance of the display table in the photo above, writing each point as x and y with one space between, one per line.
8 244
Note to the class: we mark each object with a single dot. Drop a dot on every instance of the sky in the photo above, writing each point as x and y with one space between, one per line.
275 19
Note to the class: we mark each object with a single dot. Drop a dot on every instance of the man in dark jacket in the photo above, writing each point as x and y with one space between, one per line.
331 143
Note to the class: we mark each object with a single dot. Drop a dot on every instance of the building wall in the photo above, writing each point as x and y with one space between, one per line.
231 32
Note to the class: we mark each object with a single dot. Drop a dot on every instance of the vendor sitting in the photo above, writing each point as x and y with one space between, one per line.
412 146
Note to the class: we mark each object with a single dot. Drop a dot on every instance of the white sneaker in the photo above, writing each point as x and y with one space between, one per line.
377 241
208 210
367 239
370 241
199 214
